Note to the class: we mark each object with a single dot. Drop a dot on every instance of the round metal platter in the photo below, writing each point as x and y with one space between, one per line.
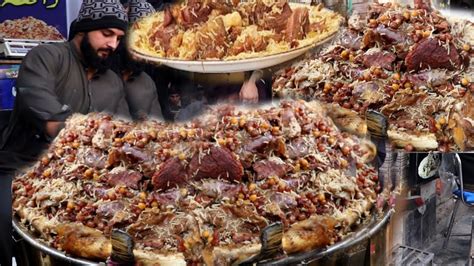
231 66
366 231
43 247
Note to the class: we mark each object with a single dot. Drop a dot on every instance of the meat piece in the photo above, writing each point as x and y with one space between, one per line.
298 148
123 177
94 190
255 44
443 26
234 33
172 173
223 7
168 19
195 12
108 209
217 163
212 40
219 189
318 26
174 45
254 12
267 168
285 201
432 78
379 59
259 144
277 19
134 155
429 54
169 198
107 127
297 25
163 36
82 241
95 158
309 234
351 40
389 36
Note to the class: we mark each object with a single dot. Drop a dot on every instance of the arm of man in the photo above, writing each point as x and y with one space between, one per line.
249 90
142 97
36 92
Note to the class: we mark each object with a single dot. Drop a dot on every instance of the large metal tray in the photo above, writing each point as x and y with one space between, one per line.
376 223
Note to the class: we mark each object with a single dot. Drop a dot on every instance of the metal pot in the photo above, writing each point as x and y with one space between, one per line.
352 250
32 251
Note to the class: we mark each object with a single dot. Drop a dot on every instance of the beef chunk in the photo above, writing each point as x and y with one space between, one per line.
169 198
267 168
163 36
277 20
168 18
172 173
429 54
389 36
218 163
94 158
351 40
212 39
124 177
259 144
297 25
379 59
195 12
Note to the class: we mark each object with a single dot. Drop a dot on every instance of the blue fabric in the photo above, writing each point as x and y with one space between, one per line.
468 196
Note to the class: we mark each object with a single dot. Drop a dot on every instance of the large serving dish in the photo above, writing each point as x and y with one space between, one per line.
365 232
277 51
231 66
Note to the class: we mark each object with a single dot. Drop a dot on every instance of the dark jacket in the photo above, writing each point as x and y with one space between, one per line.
52 84
142 97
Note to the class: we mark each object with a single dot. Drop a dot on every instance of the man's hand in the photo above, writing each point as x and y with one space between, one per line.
53 128
249 92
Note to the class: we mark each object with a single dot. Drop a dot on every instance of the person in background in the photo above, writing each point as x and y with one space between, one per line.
55 81
174 102
140 89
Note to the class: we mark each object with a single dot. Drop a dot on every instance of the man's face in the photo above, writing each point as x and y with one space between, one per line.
175 98
105 41
98 45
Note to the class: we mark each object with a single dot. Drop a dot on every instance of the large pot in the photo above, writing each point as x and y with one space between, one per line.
34 251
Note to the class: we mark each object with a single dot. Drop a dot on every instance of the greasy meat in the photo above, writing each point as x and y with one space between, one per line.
430 54
297 25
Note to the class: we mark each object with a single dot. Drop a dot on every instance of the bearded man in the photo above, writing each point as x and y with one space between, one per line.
55 81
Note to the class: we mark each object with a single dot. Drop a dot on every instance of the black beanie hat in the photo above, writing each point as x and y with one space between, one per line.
101 14
138 9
